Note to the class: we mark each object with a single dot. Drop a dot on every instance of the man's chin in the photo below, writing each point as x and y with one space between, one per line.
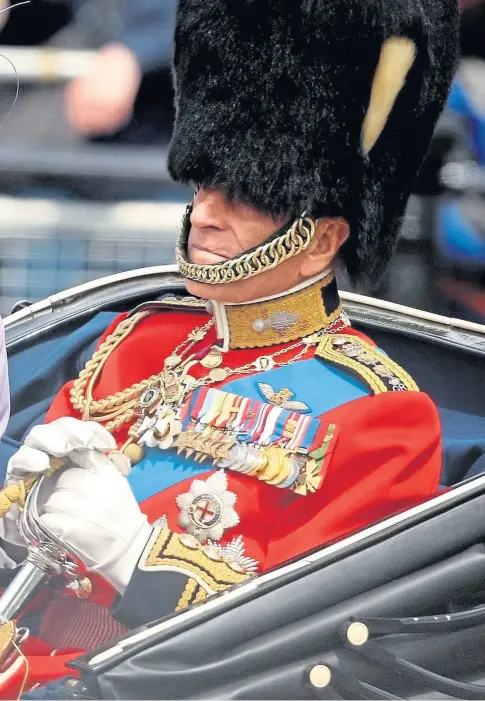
238 292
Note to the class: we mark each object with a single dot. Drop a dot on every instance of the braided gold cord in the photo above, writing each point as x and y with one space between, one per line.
119 421
187 593
125 404
266 257
200 596
118 409
78 398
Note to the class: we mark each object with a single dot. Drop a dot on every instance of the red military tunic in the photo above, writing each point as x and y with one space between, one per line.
387 456
384 457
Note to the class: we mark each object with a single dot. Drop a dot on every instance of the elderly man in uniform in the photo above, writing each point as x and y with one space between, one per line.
206 443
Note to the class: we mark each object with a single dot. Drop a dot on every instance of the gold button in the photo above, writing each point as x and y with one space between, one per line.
357 633
320 676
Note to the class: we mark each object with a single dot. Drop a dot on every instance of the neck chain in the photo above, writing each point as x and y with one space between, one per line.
151 405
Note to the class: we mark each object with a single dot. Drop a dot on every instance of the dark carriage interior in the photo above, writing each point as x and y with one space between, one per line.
454 378
46 352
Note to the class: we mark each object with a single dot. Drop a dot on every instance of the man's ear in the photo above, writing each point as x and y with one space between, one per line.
330 234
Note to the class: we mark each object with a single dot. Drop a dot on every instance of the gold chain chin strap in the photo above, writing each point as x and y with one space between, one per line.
295 240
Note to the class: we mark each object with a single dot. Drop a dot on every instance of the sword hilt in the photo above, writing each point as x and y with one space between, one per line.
47 556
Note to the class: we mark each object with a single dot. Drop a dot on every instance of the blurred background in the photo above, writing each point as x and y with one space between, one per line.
84 190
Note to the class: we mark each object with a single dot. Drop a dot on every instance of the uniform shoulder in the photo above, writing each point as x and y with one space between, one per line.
360 356
182 310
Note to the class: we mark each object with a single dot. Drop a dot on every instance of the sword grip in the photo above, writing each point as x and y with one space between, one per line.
27 582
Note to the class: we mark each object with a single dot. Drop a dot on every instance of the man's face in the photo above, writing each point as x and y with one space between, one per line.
221 229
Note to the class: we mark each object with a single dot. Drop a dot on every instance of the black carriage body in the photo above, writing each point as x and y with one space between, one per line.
273 636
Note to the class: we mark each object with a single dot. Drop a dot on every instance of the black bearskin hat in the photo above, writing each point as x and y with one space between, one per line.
318 106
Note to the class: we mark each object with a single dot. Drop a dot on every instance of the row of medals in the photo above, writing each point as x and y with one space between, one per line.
271 464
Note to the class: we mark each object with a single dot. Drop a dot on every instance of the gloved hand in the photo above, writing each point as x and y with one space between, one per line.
93 511
64 438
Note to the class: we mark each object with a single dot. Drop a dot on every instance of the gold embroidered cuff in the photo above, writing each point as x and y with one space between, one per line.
207 570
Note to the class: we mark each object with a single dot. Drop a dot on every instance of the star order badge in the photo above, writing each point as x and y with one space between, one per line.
207 509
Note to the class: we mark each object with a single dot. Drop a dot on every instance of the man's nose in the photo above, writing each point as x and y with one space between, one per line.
208 210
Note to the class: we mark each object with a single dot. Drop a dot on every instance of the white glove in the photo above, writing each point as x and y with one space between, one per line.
64 437
93 511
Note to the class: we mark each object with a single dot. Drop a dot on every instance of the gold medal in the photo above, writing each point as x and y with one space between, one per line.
213 359
218 374
172 361
283 474
275 459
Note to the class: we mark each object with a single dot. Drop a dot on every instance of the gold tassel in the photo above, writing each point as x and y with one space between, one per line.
11 495
16 493
7 635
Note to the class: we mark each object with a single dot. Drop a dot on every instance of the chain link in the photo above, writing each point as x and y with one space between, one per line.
194 336
266 257
342 321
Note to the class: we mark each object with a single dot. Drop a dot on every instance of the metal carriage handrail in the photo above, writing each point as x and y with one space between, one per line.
151 281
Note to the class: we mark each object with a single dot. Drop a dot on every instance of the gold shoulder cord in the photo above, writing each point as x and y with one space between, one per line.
372 365
118 409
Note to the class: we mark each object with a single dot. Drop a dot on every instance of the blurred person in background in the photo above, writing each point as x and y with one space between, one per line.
472 28
458 225
130 71
126 95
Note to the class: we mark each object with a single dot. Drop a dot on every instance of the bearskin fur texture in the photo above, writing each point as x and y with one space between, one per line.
271 97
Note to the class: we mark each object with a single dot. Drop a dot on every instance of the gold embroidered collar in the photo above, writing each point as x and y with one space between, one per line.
269 322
